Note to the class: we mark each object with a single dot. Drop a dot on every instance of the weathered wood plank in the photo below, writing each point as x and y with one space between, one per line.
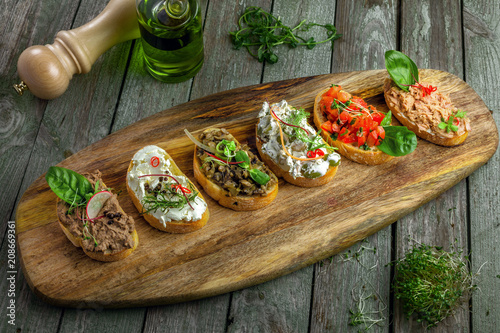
368 28
143 96
431 35
482 49
63 133
20 119
283 305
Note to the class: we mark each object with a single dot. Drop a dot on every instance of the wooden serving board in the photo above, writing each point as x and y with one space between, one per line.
239 249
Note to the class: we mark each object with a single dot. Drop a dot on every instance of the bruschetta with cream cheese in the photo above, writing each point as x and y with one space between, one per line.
164 196
292 148
230 173
359 131
91 216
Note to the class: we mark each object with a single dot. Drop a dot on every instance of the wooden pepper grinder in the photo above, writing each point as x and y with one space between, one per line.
47 70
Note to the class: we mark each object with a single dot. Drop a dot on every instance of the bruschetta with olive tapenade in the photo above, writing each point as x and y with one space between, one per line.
165 197
230 173
91 216
359 131
292 148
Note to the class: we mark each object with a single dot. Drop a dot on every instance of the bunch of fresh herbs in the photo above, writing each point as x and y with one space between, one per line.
432 283
260 32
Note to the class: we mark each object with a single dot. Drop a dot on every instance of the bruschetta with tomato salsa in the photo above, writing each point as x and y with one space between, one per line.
361 133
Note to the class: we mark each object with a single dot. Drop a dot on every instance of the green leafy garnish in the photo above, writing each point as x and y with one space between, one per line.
167 197
242 156
259 177
398 141
69 186
432 283
449 125
260 32
401 68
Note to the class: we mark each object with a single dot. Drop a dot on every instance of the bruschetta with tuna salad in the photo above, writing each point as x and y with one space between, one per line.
420 106
359 131
165 197
292 148
230 173
91 216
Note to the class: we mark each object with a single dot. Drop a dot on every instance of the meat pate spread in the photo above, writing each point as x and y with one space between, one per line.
110 234
426 112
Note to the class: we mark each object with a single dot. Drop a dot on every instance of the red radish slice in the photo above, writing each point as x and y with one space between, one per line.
96 202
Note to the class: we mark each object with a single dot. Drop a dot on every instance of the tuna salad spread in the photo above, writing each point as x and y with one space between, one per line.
431 111
293 144
233 166
168 198
111 232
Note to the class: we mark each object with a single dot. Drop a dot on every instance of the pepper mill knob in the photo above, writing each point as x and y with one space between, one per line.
47 70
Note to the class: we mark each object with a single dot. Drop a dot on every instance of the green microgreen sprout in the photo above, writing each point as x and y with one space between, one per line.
361 314
432 283
356 255
166 197
449 125
86 233
260 32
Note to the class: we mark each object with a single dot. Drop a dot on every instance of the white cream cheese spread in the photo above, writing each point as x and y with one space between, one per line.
297 144
144 162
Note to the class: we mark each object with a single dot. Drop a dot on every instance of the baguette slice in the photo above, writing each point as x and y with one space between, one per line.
275 167
172 224
414 111
351 151
298 181
238 202
77 239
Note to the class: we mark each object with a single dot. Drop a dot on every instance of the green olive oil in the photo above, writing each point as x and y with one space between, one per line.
172 38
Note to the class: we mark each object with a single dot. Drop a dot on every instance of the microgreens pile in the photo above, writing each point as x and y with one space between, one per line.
432 283
260 31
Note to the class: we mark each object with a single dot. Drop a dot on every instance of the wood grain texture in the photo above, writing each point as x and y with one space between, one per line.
143 96
239 249
19 124
482 61
443 221
284 304
376 33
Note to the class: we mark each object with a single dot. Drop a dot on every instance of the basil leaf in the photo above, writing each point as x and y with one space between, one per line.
387 119
398 141
259 176
68 185
242 156
401 68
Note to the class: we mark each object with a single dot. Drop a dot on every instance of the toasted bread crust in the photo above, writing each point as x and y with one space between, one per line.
99 255
299 181
348 150
174 227
399 112
239 202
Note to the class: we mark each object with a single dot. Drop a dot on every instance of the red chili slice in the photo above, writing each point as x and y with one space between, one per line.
311 154
182 188
155 161
319 152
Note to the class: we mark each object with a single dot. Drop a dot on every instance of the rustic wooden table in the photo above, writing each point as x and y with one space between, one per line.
460 37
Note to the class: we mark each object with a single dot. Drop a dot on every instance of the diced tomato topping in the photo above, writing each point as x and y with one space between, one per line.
359 102
378 117
345 117
343 96
327 126
354 121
